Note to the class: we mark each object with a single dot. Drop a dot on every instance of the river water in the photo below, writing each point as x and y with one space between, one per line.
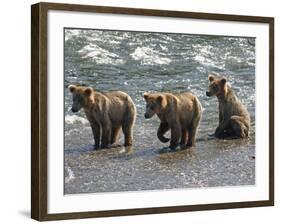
138 62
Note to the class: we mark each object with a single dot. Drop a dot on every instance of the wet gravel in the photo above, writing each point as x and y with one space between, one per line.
219 164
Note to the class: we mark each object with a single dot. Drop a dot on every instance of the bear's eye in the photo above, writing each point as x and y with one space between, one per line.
152 107
80 100
215 87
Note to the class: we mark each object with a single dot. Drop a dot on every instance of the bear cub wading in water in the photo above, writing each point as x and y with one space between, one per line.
234 119
107 114
179 112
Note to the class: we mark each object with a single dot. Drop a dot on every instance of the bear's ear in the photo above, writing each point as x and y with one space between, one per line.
159 99
71 88
88 91
223 81
211 78
145 96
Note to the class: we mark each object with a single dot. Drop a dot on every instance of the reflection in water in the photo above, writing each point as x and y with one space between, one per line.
135 63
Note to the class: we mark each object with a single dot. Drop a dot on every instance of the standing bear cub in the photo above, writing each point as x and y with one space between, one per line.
179 112
234 119
107 114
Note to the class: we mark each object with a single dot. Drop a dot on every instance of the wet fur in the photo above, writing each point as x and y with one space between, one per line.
107 113
234 118
180 113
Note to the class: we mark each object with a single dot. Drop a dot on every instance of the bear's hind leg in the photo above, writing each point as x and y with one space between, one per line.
128 134
128 124
184 137
239 129
192 131
191 136
115 134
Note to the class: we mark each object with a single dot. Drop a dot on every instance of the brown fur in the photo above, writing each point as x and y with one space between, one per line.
179 112
234 119
107 113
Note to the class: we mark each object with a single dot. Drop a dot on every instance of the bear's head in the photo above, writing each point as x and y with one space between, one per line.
155 102
80 96
217 86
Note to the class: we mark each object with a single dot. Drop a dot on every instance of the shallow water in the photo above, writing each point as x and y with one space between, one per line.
135 63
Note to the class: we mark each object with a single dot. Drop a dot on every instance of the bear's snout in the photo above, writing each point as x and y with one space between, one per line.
208 93
74 110
146 116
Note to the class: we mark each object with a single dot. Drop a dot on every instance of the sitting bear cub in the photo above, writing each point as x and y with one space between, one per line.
179 112
107 114
234 119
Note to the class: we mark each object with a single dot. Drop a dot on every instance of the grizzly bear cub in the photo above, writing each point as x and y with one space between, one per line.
179 112
234 119
107 114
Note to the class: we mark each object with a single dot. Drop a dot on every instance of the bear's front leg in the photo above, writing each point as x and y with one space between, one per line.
163 128
106 135
96 132
219 133
175 136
